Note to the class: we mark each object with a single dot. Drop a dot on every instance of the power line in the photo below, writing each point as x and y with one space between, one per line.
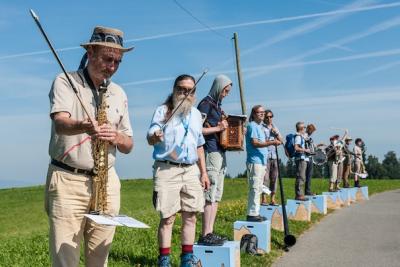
199 21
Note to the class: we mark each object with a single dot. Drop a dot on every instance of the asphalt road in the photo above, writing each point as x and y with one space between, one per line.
364 234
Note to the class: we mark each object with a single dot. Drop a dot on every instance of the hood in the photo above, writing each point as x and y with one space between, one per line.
220 82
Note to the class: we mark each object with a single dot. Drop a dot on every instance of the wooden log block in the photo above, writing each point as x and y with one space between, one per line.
274 214
261 229
333 200
345 196
319 204
298 210
227 255
362 193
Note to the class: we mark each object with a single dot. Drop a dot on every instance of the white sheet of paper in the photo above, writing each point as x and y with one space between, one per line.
103 220
120 220
130 222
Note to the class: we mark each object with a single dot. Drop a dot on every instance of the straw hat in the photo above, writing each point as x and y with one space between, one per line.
107 37
348 138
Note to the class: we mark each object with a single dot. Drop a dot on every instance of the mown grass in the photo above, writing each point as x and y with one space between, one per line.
24 239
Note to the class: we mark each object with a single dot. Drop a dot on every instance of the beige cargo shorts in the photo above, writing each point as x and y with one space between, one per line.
177 189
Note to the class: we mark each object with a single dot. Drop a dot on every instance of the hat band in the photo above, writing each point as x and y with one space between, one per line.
107 38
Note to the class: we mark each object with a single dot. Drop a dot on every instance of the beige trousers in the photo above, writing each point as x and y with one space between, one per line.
67 199
255 174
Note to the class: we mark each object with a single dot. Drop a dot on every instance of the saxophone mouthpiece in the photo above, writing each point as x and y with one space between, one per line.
106 82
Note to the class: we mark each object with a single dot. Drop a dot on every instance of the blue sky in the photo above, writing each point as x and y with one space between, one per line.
333 63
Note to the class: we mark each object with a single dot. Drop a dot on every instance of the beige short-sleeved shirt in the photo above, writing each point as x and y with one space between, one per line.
76 150
358 154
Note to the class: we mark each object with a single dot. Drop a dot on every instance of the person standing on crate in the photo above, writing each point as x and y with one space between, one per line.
271 172
179 170
301 160
257 157
70 178
309 144
215 122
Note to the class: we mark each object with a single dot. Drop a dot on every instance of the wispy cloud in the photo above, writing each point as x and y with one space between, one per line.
377 28
350 95
380 68
340 47
223 27
305 28
283 65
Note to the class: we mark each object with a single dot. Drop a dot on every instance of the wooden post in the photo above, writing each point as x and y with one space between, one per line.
243 104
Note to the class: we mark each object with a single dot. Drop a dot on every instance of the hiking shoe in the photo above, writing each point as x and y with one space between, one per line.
189 260
223 238
164 261
210 240
257 218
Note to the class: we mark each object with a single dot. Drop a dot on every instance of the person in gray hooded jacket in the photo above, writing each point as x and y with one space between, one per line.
215 122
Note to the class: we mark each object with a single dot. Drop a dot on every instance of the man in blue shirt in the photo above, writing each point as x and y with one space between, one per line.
257 151
214 124
180 175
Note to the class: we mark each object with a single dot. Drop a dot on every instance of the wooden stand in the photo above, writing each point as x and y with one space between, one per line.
298 210
227 255
319 204
261 229
333 200
274 214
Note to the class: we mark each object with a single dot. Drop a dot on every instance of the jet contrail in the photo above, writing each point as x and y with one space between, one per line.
376 54
230 26
301 29
377 28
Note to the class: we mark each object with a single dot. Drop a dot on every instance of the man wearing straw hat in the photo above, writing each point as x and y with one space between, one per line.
69 180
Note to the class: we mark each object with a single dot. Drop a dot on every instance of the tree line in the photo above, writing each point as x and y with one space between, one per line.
389 168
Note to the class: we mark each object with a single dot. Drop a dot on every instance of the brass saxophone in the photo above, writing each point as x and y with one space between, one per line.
100 158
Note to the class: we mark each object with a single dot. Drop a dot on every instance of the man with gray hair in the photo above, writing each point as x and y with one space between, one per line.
301 160
69 185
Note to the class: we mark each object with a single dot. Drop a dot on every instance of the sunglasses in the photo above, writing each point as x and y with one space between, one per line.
269 117
185 91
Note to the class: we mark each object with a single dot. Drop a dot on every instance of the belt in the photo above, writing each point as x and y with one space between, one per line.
71 169
175 163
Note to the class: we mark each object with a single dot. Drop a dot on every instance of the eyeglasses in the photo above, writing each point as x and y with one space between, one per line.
185 91
111 60
269 117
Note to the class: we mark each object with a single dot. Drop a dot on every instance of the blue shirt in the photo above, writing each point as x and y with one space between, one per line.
256 155
182 136
213 111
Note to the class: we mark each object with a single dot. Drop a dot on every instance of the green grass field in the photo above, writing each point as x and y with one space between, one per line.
23 227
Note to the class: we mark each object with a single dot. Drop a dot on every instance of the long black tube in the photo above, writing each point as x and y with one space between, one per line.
36 19
289 239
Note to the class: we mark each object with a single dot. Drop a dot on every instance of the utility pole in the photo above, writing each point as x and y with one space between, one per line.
235 39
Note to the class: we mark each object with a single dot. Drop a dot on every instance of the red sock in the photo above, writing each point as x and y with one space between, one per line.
165 251
187 249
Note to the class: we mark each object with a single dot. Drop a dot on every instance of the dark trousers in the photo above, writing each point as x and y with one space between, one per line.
309 171
301 167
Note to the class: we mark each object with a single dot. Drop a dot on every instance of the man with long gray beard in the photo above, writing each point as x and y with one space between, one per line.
179 170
